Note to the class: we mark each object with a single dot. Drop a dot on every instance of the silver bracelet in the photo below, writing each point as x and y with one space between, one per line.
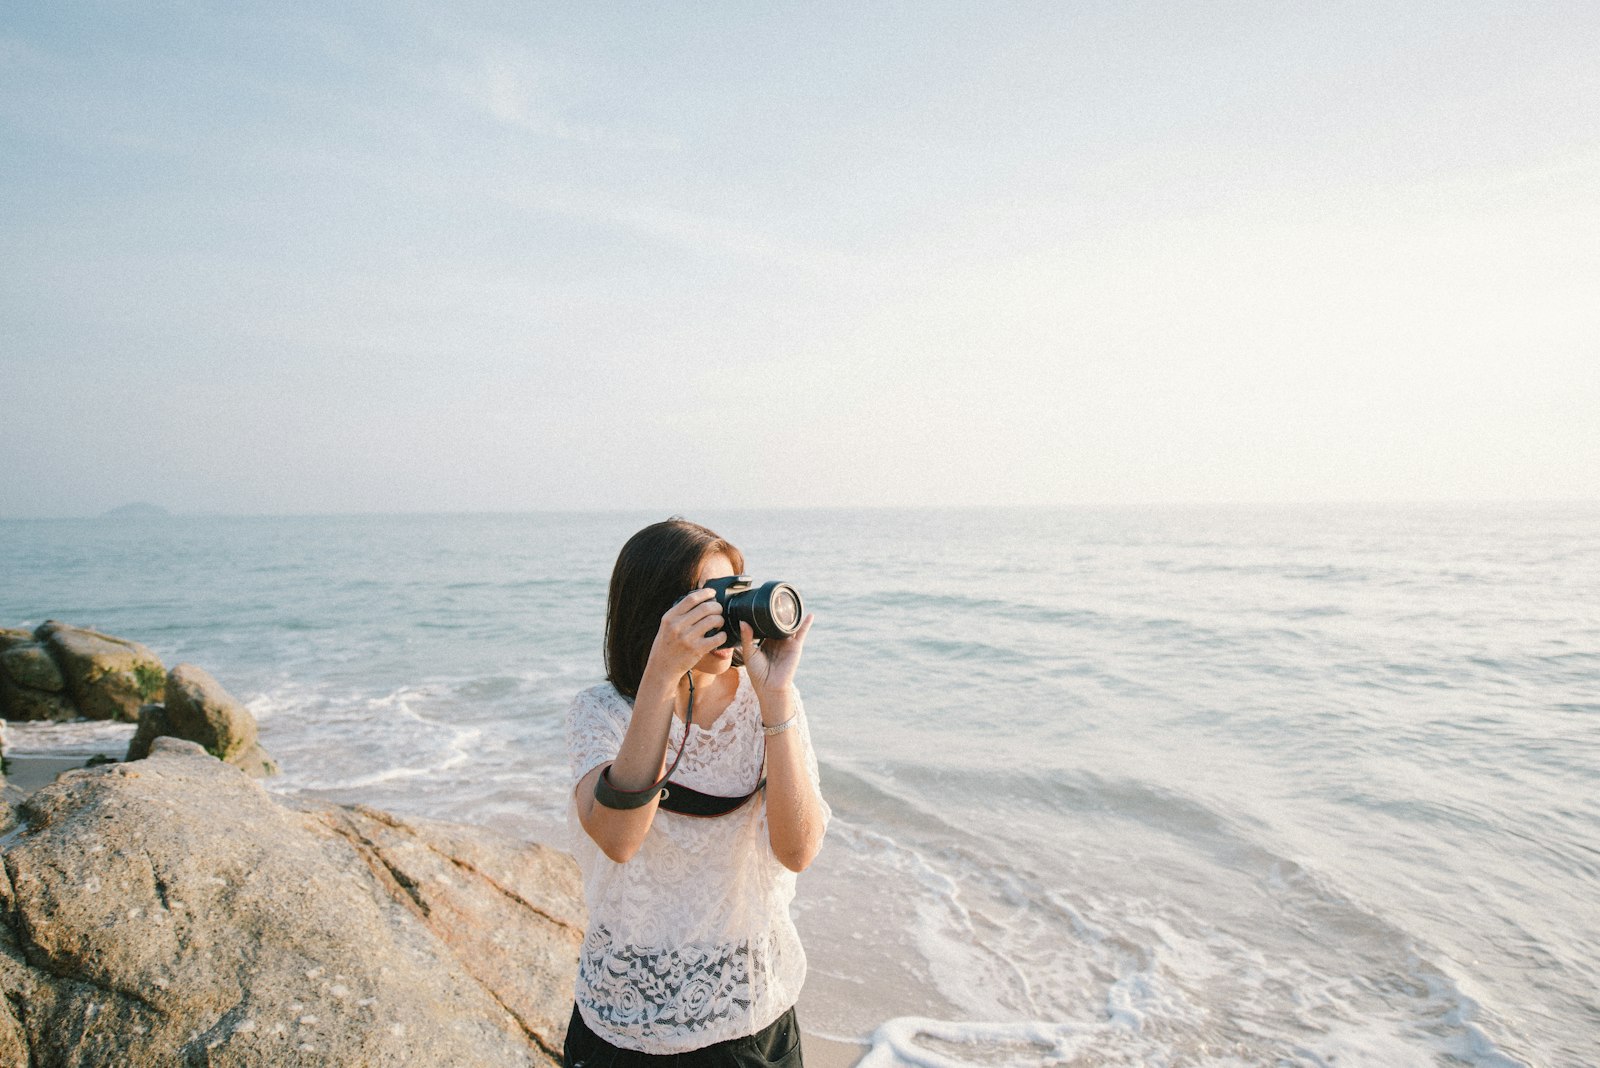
780 728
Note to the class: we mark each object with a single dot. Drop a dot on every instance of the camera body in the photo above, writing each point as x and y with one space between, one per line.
773 609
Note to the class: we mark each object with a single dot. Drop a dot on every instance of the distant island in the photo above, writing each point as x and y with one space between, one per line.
137 510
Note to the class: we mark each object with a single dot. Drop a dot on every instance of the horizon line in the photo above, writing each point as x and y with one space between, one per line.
161 513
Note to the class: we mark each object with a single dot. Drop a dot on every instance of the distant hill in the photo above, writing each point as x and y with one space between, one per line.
137 510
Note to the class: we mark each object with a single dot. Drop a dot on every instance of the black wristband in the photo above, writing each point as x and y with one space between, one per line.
611 797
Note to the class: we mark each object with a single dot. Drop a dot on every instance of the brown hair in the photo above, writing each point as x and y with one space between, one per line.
656 567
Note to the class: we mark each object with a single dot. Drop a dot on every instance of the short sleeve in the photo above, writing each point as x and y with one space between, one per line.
595 729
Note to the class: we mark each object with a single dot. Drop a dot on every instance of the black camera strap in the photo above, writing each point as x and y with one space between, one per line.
687 802
680 799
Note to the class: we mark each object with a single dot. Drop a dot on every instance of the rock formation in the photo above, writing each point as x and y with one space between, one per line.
10 796
199 710
59 672
62 672
170 912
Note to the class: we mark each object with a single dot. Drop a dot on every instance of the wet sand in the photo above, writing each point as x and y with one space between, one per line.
828 1053
28 772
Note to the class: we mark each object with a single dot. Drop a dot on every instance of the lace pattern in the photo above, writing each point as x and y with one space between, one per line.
691 941
647 993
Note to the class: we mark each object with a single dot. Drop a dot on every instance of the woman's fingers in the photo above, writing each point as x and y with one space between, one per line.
708 626
694 615
689 602
790 645
707 615
800 633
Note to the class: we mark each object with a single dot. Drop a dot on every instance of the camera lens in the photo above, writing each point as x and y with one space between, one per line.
786 609
774 610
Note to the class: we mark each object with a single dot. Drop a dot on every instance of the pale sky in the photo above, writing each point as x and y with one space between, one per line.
460 257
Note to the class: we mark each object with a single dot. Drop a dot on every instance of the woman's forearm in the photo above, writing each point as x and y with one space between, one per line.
620 832
794 811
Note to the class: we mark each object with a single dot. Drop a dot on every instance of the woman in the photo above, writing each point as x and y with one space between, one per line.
690 951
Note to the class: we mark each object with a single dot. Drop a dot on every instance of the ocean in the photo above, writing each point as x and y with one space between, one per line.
1298 785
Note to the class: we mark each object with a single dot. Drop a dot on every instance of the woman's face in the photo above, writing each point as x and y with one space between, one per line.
717 565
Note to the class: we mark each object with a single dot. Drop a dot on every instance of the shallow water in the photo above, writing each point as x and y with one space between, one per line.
1288 786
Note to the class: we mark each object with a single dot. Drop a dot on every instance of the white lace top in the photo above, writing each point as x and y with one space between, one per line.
691 941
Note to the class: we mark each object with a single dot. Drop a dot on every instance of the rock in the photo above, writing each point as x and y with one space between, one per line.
10 796
169 912
20 702
108 678
474 894
29 664
11 799
255 762
153 724
200 710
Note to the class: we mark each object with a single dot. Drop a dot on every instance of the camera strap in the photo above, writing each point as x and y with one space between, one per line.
680 799
687 802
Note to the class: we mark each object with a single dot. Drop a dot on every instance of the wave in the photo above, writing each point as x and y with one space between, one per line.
1154 930
1130 1038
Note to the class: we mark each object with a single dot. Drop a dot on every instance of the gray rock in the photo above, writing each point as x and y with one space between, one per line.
10 815
28 664
153 724
20 702
11 799
169 912
108 678
200 710
255 762
476 894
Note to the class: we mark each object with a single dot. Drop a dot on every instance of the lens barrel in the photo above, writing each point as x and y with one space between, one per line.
773 610
777 610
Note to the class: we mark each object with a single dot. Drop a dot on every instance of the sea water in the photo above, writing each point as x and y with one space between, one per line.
1175 786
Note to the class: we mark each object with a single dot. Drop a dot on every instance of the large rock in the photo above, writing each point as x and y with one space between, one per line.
20 702
31 685
10 798
200 710
30 664
169 912
108 678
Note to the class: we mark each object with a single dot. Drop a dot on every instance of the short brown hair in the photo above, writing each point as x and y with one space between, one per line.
657 566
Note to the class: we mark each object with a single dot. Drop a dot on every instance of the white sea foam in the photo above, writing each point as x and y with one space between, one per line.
919 1042
925 1043
84 737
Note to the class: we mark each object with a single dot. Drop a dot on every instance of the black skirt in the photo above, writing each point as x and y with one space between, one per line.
775 1046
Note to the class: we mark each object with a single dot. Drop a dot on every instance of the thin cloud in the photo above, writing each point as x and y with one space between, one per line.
512 86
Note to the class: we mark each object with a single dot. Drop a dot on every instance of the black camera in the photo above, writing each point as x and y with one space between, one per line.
773 609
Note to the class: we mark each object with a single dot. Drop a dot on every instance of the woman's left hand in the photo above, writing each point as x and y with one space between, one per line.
771 665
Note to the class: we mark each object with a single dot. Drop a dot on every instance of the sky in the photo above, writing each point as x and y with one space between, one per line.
311 258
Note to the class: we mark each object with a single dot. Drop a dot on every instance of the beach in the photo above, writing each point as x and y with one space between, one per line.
1286 786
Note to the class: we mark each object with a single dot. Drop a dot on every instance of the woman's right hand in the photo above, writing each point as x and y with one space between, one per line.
682 640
